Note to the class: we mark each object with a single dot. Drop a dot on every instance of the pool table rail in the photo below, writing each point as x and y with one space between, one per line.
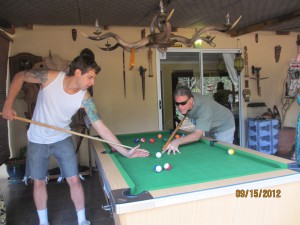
116 186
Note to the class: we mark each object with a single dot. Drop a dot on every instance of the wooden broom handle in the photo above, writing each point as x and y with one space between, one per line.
173 134
67 131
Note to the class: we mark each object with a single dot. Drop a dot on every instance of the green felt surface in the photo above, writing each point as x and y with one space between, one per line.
198 162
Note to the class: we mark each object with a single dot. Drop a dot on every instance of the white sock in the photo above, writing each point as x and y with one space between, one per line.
81 215
43 216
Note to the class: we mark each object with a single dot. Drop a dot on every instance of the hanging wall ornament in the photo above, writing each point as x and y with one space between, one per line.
277 53
258 78
142 73
246 94
74 34
246 61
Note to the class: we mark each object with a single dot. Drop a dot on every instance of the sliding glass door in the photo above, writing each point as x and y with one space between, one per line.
204 71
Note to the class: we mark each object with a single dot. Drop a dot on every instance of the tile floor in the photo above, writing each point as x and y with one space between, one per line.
21 209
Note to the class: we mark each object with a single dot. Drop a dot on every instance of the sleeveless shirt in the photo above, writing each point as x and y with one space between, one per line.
54 107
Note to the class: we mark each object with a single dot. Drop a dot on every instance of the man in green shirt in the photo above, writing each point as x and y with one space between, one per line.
206 114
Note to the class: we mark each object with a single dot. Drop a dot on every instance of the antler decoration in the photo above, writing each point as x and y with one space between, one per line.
162 39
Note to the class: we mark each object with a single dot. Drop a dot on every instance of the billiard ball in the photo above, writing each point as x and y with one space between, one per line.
165 139
230 151
158 168
159 136
136 140
113 150
182 135
143 140
158 154
151 140
167 166
177 136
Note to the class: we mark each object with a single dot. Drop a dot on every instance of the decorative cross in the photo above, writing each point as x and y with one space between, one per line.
256 72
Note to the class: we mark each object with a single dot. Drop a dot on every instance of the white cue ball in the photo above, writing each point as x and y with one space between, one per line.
158 154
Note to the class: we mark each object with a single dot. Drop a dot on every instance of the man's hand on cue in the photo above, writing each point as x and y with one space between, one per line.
172 147
136 152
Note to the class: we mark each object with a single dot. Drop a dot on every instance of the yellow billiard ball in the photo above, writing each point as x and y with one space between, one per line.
230 151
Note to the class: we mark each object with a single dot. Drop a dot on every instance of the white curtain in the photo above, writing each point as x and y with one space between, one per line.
229 62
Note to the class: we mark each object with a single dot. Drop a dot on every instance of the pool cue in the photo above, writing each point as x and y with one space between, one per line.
67 131
173 134
124 74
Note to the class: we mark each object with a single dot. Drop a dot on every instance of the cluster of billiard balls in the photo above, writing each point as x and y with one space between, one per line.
158 168
152 140
143 140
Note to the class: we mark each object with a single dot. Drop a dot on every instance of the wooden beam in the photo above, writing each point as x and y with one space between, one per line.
282 32
3 34
9 30
266 24
7 26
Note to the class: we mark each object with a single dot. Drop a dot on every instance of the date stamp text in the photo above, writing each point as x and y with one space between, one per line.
258 193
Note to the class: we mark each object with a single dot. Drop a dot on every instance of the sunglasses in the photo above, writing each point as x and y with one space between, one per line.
182 103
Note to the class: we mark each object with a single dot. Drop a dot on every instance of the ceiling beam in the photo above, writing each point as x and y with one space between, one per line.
7 26
265 24
4 35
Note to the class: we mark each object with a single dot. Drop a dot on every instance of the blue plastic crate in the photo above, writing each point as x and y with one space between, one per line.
263 135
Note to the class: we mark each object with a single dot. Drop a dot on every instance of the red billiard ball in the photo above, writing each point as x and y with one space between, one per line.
159 136
143 140
167 166
177 136
151 140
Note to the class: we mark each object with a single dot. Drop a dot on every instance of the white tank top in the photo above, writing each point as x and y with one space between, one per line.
54 107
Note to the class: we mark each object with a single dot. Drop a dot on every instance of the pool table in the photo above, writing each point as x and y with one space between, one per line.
205 185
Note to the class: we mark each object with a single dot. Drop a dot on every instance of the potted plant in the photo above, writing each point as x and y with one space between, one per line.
15 166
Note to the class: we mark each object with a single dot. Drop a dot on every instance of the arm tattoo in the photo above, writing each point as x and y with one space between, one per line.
41 75
91 110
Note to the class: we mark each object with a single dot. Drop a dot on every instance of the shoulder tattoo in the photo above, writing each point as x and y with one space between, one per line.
91 110
41 75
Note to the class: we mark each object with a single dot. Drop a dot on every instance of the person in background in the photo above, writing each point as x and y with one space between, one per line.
207 114
222 95
60 97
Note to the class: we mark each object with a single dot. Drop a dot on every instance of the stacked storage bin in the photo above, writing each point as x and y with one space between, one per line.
263 135
297 140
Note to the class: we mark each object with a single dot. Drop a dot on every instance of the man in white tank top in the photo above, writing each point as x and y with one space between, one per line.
59 98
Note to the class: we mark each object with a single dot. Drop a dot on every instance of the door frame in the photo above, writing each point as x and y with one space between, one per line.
160 56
